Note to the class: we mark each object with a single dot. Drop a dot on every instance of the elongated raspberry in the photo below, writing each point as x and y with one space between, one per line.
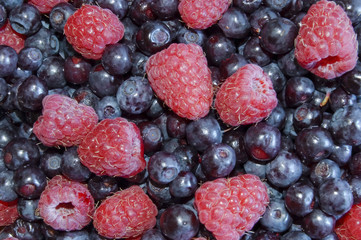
8 212
179 75
64 122
114 148
349 226
246 97
11 38
45 6
230 207
91 28
202 14
326 44
66 205
127 213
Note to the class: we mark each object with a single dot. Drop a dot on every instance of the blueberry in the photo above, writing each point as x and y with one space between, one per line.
76 70
218 47
8 60
27 209
30 182
101 187
248 6
165 9
116 59
108 107
190 35
51 162
52 72
59 15
26 230
318 224
119 7
255 53
45 40
153 234
163 167
276 218
138 63
71 166
299 235
31 93
30 58
151 135
300 198
25 19
234 24
102 83
7 186
324 170
276 75
184 185
230 65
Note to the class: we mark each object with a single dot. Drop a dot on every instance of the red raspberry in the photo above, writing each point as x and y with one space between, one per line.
230 207
127 213
349 226
45 6
114 148
11 38
64 122
66 205
179 75
326 44
91 28
246 97
8 212
202 14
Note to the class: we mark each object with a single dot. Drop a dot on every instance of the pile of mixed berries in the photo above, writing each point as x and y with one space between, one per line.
180 119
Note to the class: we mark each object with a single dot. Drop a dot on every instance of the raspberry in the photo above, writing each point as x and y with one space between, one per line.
179 75
11 38
230 207
114 148
326 44
45 6
202 14
91 28
246 97
8 212
66 205
64 121
348 227
127 213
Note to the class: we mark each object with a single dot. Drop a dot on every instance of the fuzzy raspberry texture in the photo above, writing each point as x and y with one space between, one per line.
11 38
65 204
64 121
45 6
179 75
230 207
114 148
202 14
349 226
91 28
8 212
246 97
127 213
326 44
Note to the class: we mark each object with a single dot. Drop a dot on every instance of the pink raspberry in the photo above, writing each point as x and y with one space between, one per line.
326 44
11 38
91 28
114 148
45 6
127 213
8 212
202 14
246 97
66 205
64 122
180 77
230 207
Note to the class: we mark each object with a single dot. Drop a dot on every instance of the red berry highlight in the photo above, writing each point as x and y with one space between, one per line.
45 6
8 212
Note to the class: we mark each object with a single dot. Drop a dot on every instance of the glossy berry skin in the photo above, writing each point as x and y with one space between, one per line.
163 167
25 19
19 152
261 16
127 213
152 37
102 187
52 72
76 70
190 98
284 170
152 137
318 224
66 205
184 185
108 107
45 40
218 48
234 24
30 182
102 83
179 222
153 234
246 97
348 226
134 95
71 166
27 209
189 35
60 130
349 80
30 59
277 35
7 186
218 161
8 61
255 53
50 162
31 93
300 198
119 8
324 170
203 133
116 59
59 14
8 212
201 15
237 204
345 127
313 144
110 138
335 196
276 217
298 90
319 47
91 44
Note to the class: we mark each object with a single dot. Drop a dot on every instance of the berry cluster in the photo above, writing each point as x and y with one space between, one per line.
180 119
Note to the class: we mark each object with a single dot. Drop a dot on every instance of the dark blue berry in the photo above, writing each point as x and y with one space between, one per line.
108 107
276 217
300 198
8 60
26 230
163 167
119 7
165 9
30 58
138 63
184 185
234 24
101 187
102 83
230 65
71 166
351 81
307 115
31 93
289 65
248 6
140 11
151 135
25 19
340 98
7 186
27 209
76 70
3 15
318 224
51 162
59 15
324 170
116 59
30 182
153 234
190 35
218 48
45 40
255 53
52 72
292 235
